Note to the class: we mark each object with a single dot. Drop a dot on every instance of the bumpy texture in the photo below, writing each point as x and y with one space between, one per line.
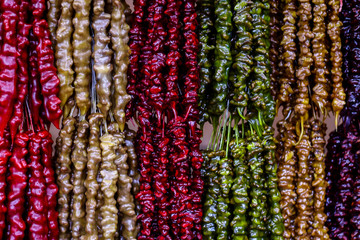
211 166
289 53
109 174
305 60
333 30
79 160
223 58
23 77
319 183
173 56
8 60
223 200
47 73
275 50
191 220
53 15
133 167
320 90
63 176
259 85
206 51
51 187
137 36
287 176
17 183
144 147
81 43
164 82
37 209
64 53
258 206
102 56
346 180
332 177
124 183
304 192
119 39
4 157
240 188
35 99
275 225
346 39
355 211
241 53
351 71
91 184
161 181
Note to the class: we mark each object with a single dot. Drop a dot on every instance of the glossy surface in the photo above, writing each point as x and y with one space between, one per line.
120 39
222 57
23 77
17 181
64 54
38 204
47 73
8 60
63 175
81 43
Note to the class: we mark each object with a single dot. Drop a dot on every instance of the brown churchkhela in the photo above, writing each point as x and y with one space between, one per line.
52 18
133 169
125 198
309 70
91 184
274 51
64 54
64 174
102 56
303 188
108 171
305 61
119 39
79 160
99 203
319 183
132 160
287 176
333 30
287 80
81 43
321 88
94 171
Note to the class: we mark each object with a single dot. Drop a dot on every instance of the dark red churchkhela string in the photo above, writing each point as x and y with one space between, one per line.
37 210
23 77
164 81
8 60
17 181
4 157
28 83
51 187
192 221
145 146
34 81
161 184
45 64
47 71
137 36
175 126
